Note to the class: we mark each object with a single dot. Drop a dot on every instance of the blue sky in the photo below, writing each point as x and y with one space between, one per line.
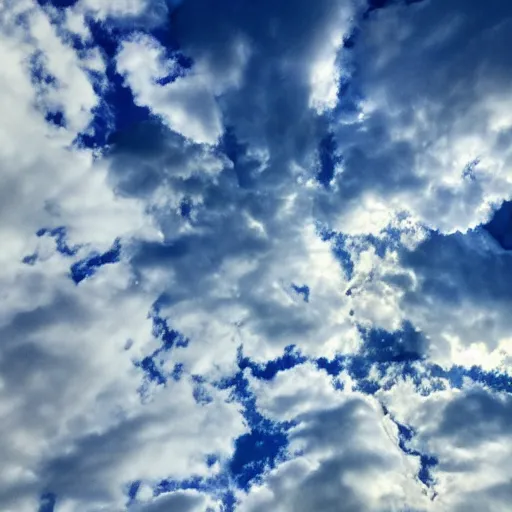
256 256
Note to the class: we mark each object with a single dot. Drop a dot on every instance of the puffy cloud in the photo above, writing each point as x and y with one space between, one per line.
425 122
179 501
440 286
152 286
468 431
346 451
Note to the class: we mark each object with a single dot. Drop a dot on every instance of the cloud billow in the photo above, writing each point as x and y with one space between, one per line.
255 255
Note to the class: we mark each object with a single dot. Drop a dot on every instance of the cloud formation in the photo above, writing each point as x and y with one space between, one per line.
255 256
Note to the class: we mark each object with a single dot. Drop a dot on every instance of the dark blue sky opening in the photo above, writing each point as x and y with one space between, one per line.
60 236
327 154
87 267
500 225
267 371
47 502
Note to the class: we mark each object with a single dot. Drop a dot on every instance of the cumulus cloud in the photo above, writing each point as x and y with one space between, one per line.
424 133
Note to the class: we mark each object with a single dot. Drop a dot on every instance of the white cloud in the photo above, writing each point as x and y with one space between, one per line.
180 501
187 104
348 451
427 80
224 271
468 431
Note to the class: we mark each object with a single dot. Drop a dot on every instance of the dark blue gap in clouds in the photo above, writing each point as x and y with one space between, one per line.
359 366
427 462
59 234
381 349
186 208
302 290
47 502
328 160
216 486
349 41
456 374
57 3
236 152
200 391
182 65
338 247
30 259
118 110
133 489
56 118
166 334
404 345
267 371
170 338
151 371
266 443
38 72
500 226
88 266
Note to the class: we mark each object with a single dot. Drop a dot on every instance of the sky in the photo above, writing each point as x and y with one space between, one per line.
256 256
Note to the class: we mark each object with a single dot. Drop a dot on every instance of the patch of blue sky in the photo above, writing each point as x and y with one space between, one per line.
30 259
59 4
267 371
455 375
182 65
161 330
133 489
177 371
236 151
40 75
200 392
60 236
339 248
217 486
87 267
47 502
186 207
44 81
344 246
56 118
151 371
329 158
425 376
427 462
387 357
404 345
118 109
374 5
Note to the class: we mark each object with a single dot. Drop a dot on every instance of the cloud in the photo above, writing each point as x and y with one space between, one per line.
421 131
186 104
242 266
468 432
346 451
